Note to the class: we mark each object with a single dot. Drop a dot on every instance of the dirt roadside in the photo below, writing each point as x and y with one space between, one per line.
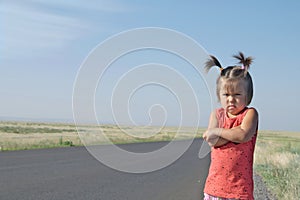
260 190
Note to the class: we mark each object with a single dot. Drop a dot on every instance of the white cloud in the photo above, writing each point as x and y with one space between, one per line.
91 5
35 24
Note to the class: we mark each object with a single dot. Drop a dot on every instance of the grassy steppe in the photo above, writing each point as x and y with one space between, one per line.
25 135
277 154
277 160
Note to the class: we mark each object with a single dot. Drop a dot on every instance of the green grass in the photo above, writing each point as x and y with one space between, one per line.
13 146
277 160
29 135
29 130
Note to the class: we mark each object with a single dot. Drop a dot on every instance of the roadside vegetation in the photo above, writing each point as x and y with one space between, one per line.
277 160
24 135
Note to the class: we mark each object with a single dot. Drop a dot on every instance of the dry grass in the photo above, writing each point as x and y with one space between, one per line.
22 135
277 160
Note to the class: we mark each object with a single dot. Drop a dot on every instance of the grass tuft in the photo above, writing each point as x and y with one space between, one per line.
277 160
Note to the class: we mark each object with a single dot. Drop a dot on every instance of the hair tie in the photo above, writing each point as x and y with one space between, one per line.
213 61
245 62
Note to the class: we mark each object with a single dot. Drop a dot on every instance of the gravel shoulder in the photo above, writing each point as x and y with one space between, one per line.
260 190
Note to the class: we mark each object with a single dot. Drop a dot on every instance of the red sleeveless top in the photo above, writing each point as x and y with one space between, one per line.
231 170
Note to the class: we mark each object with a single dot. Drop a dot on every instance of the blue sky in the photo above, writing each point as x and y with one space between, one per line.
44 43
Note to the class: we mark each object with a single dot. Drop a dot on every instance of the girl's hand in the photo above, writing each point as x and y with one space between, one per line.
212 136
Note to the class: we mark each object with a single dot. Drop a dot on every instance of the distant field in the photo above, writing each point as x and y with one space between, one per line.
25 135
277 160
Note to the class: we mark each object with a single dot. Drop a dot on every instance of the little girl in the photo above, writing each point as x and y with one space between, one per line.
231 133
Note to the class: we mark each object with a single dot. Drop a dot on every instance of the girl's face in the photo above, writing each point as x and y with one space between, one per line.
233 97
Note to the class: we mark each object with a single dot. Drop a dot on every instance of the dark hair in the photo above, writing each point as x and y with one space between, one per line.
233 74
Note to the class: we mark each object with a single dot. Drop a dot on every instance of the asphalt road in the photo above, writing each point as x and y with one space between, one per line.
72 173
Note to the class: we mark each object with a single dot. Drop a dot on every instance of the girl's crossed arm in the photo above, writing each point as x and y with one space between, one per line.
213 140
239 134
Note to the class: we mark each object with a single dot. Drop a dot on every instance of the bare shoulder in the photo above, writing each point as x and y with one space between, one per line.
252 112
214 112
213 121
251 118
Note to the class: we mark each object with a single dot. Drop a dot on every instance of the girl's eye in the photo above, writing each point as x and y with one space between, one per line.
226 95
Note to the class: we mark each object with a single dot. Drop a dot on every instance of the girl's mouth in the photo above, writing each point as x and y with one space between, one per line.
231 106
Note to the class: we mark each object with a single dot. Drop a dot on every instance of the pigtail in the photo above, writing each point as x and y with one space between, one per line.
213 61
246 62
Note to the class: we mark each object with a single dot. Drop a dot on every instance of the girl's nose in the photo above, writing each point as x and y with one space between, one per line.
230 98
